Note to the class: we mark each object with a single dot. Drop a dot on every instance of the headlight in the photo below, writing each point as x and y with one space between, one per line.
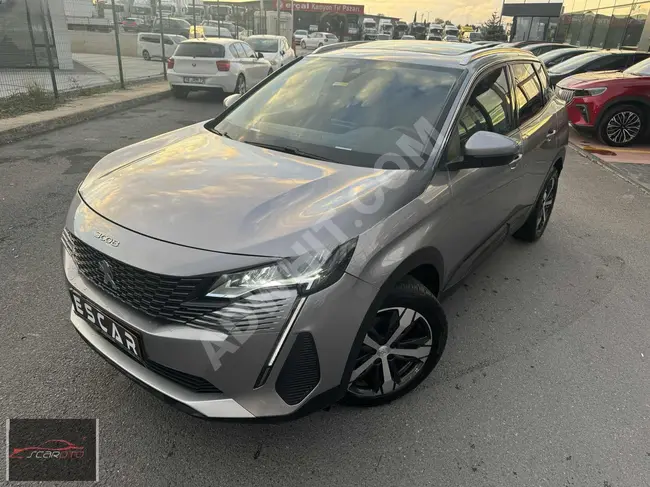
308 273
590 92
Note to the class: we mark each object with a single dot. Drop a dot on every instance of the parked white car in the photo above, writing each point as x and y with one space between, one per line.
227 65
149 46
318 39
211 28
299 35
275 49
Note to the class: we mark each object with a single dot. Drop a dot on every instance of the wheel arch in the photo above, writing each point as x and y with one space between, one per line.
639 101
427 266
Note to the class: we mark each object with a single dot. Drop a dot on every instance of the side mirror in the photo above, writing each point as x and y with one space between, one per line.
282 53
229 100
486 149
259 55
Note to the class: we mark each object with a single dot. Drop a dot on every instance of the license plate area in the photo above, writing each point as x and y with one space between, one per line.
123 337
193 80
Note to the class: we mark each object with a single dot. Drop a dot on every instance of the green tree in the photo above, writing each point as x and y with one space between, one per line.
438 20
492 29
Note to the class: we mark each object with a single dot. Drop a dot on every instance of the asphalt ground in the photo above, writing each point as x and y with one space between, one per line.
545 380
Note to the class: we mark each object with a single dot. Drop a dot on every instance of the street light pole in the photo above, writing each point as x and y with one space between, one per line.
194 16
277 27
162 39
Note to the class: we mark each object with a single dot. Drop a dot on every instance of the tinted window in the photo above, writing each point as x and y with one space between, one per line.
528 91
263 45
154 39
346 110
248 52
577 62
543 78
200 49
181 24
489 107
609 62
168 41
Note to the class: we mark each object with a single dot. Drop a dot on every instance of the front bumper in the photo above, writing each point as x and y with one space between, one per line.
582 113
321 332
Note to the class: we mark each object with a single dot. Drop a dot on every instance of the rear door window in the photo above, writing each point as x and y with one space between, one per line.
200 49
239 47
528 92
543 79
233 50
247 49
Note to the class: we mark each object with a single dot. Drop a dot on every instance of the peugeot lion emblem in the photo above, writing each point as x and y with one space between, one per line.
108 274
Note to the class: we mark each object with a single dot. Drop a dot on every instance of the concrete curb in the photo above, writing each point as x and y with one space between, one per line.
608 167
28 130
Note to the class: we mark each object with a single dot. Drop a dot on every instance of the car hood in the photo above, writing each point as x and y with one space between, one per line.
584 80
192 187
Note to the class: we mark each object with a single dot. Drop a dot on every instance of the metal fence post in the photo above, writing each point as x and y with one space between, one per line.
50 62
162 39
117 44
194 16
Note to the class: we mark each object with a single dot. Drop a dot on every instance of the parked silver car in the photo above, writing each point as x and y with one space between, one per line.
293 251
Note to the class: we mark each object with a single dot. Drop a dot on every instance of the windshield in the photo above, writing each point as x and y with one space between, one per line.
575 62
263 45
475 36
345 110
639 69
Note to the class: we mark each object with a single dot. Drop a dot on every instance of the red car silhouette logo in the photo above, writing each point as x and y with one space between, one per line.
56 448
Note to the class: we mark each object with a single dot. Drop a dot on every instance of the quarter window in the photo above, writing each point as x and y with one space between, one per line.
528 92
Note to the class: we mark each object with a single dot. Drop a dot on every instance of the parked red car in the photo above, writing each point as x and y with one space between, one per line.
614 104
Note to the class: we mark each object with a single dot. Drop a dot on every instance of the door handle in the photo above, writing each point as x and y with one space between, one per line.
515 162
551 134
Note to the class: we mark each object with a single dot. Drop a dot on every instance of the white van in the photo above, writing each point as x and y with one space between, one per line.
149 46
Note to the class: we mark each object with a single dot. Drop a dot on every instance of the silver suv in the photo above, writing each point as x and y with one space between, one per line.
292 252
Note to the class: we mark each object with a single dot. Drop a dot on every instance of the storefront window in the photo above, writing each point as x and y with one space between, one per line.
522 28
574 31
611 3
617 27
593 4
587 28
636 22
552 29
601 26
579 5
538 28
568 6
563 29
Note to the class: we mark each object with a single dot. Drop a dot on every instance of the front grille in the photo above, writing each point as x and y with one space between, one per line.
192 382
564 94
163 297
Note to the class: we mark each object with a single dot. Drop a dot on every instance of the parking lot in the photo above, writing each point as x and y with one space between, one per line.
544 381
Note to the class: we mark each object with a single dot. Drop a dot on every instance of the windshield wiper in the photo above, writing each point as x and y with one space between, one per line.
289 150
225 134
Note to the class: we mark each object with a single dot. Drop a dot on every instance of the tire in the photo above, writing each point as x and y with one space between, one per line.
533 228
180 92
419 303
240 86
622 125
303 44
320 44
146 55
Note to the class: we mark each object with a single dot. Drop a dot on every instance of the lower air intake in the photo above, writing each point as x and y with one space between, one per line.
300 373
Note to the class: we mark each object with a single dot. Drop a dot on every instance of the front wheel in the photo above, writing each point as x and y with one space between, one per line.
537 221
622 125
146 55
303 45
401 348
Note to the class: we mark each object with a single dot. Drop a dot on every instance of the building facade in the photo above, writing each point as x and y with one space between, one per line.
603 24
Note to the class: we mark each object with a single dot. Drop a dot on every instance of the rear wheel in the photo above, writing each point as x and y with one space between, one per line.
303 44
622 125
240 87
146 55
180 92
402 347
538 219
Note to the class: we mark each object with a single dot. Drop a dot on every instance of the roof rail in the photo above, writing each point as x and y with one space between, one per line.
337 46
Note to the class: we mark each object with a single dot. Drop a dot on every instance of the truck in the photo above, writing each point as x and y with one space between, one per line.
141 9
120 10
369 29
435 32
418 30
401 28
386 27
451 30
83 15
